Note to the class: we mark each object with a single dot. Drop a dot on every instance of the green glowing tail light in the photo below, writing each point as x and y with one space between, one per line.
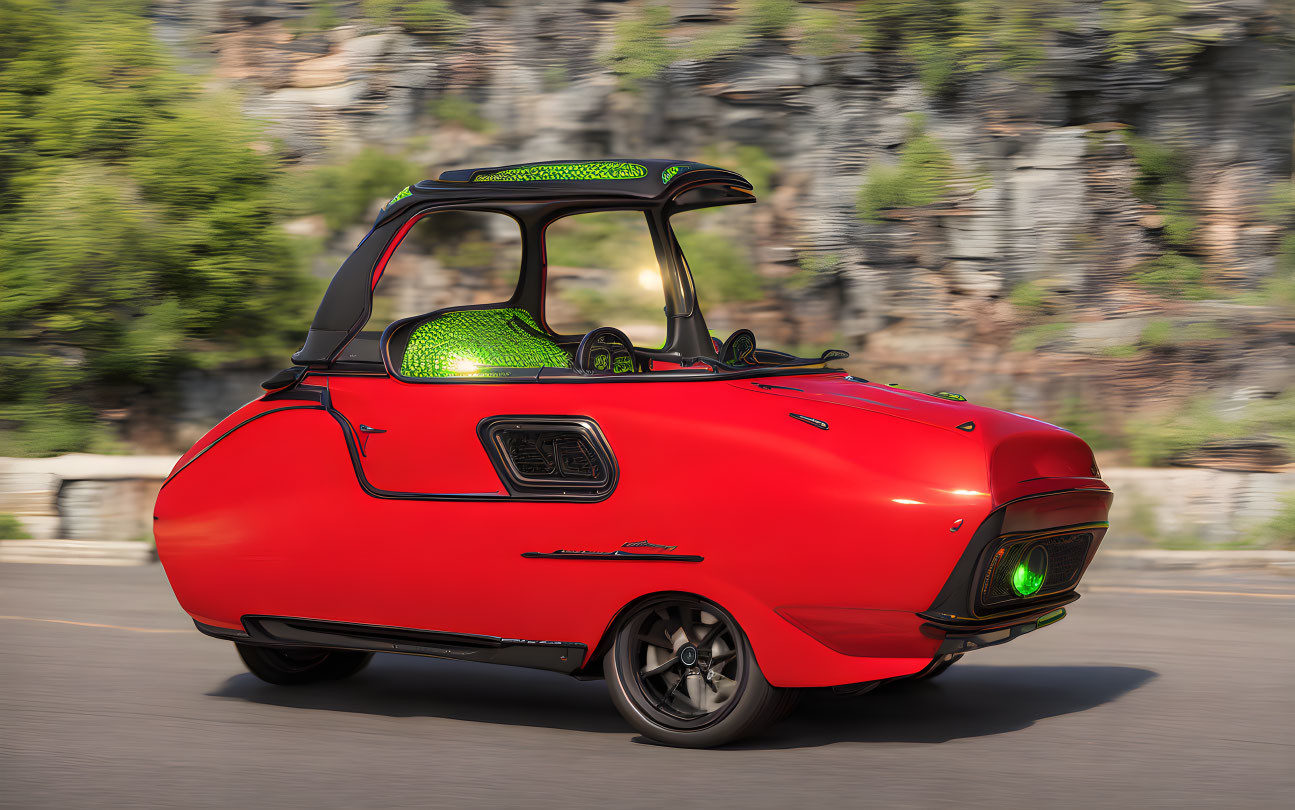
1028 576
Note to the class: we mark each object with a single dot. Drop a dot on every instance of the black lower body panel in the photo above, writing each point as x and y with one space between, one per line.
285 631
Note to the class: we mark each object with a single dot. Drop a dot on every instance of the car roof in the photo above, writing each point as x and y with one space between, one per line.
650 180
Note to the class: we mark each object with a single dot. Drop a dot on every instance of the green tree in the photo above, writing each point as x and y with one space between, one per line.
140 230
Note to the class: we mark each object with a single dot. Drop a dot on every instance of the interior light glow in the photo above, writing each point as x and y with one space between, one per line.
465 366
649 279
906 501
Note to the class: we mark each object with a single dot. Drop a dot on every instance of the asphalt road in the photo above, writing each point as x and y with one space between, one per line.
1154 692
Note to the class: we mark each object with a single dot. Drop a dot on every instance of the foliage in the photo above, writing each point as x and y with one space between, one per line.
1092 425
640 50
769 19
722 268
1279 530
1173 275
1033 338
720 40
1148 29
1033 298
321 16
603 240
1279 288
1157 439
455 109
824 33
11 528
434 18
948 41
923 175
1163 178
748 160
345 191
139 222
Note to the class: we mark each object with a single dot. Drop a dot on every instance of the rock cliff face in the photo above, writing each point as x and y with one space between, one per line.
1023 285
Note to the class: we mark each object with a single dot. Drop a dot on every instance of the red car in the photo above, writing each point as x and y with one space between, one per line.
709 525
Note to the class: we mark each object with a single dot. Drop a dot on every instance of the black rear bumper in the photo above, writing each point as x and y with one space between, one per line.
964 636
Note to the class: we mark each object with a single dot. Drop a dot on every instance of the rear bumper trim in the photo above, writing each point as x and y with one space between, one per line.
964 639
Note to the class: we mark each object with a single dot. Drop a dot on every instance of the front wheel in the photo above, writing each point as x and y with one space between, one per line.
289 666
681 671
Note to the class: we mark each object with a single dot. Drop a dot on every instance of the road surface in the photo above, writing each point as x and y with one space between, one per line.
1156 691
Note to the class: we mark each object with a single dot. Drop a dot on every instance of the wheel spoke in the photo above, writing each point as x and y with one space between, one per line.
711 635
661 669
655 640
720 660
669 694
683 623
671 626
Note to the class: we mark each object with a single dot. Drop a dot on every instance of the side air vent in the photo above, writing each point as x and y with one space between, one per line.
550 457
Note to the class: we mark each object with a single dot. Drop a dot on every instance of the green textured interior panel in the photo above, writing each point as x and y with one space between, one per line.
471 343
601 170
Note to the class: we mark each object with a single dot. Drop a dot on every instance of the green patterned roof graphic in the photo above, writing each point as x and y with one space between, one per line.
404 192
567 171
668 174
473 342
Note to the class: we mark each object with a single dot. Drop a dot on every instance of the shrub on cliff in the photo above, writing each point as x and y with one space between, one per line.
923 175
140 227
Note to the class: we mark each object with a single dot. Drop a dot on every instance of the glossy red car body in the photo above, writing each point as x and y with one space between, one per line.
846 525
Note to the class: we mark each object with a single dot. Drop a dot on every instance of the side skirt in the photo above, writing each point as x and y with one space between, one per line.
286 631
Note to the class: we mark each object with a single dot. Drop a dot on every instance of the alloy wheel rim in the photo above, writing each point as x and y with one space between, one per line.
684 663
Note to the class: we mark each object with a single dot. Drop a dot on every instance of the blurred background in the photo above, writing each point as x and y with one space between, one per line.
1082 211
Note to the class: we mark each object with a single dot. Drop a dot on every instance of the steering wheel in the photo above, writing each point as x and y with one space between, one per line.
606 350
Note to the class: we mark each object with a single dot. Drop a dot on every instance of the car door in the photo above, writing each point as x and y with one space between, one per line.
468 481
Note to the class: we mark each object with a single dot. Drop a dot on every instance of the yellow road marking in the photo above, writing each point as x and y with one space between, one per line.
92 624
1131 589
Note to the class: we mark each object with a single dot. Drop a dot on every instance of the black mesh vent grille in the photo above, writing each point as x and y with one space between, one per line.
564 458
552 455
1066 556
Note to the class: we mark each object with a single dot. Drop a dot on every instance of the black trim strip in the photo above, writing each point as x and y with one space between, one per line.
225 435
288 631
223 633
357 466
306 393
619 556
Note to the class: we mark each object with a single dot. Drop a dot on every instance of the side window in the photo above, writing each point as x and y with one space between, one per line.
602 271
716 244
449 259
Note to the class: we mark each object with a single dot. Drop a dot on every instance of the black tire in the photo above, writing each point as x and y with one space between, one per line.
937 667
724 696
290 666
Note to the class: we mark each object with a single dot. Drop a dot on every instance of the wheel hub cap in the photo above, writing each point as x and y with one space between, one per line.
688 656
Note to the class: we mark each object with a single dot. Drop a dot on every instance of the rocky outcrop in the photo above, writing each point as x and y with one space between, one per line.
1043 193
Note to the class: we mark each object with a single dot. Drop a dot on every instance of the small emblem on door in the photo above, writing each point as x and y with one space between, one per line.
646 544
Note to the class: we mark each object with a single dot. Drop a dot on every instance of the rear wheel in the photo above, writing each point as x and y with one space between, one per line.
289 666
681 671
